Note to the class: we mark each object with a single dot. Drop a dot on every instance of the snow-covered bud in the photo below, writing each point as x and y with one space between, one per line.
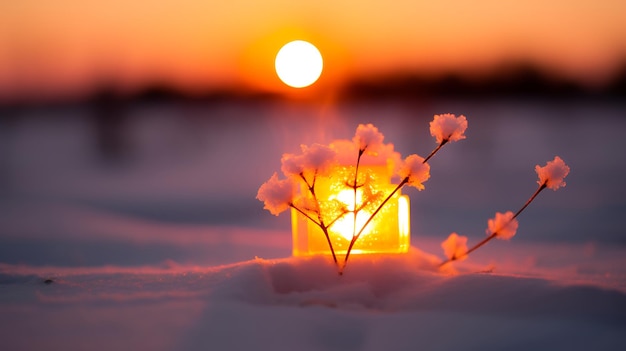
276 194
553 173
455 247
447 127
368 138
503 225
416 171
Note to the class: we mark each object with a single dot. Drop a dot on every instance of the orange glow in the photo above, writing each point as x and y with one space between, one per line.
256 64
345 225
68 45
388 232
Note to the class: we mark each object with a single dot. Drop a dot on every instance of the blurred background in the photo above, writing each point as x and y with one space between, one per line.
138 133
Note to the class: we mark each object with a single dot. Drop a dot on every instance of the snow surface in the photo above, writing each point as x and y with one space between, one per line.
392 303
156 250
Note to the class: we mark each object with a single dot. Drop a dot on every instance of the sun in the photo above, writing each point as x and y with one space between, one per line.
299 64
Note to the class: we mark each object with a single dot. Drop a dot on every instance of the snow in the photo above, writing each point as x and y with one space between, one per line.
169 250
388 302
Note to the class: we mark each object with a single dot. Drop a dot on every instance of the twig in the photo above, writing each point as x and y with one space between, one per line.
354 187
443 142
402 183
356 237
305 214
320 221
494 234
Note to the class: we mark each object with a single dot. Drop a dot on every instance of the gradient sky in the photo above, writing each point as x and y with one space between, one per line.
52 48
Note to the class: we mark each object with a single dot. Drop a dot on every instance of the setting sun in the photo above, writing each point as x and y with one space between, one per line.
299 64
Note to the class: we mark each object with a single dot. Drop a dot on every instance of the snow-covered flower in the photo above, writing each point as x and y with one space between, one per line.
368 138
553 173
503 225
316 158
276 194
416 171
455 247
447 127
292 165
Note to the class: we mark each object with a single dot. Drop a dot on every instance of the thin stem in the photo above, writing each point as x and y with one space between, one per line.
320 221
402 183
493 235
443 142
306 182
354 186
311 187
355 237
324 229
541 187
330 224
483 242
305 214
330 244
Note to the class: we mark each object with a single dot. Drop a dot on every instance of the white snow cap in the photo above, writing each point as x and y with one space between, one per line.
503 225
448 127
276 194
316 158
455 247
416 170
368 138
553 173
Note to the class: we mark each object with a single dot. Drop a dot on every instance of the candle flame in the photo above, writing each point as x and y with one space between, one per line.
345 225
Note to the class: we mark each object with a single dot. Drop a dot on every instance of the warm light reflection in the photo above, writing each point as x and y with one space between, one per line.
299 64
388 232
61 46
404 224
345 225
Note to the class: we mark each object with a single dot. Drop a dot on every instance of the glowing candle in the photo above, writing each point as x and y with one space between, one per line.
388 232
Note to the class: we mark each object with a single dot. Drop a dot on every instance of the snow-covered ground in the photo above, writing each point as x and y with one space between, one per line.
390 303
164 247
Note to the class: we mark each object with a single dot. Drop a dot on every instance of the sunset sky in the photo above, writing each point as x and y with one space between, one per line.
68 47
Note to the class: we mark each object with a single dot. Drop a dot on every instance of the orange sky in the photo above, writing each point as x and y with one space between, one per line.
65 46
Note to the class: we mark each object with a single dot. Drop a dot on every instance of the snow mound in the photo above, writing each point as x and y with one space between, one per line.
381 302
